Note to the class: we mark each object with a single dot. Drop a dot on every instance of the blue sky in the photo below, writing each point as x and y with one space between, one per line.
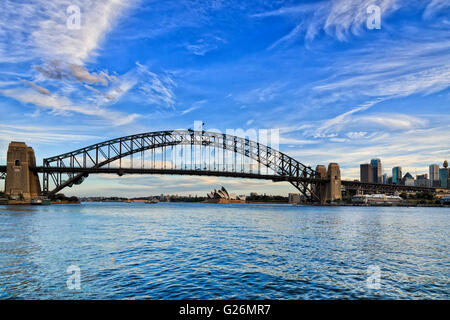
337 90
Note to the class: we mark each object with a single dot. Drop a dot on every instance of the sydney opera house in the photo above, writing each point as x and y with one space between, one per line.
222 196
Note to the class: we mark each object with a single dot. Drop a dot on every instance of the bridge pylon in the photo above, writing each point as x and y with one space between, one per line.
330 188
21 182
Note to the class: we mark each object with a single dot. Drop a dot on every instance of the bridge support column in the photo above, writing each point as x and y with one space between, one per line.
331 189
334 184
21 182
321 189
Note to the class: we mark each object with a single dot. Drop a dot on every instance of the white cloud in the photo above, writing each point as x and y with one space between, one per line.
435 7
338 122
204 45
156 89
261 94
36 32
52 38
338 18
188 110
64 105
249 122
414 147
39 134
39 29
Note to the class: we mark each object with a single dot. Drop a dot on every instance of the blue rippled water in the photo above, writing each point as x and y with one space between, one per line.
211 251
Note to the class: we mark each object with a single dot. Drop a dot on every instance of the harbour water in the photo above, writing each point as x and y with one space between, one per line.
224 251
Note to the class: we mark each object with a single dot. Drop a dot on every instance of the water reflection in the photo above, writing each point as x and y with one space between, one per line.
206 251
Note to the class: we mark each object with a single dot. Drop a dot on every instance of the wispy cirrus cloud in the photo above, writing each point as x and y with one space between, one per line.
157 89
63 105
36 33
39 28
413 145
338 18
53 40
204 45
436 7
408 68
40 134
189 110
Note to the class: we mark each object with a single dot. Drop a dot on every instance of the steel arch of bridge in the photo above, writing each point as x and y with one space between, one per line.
94 157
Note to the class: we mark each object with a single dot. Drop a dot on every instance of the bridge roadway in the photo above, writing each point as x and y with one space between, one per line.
199 172
349 185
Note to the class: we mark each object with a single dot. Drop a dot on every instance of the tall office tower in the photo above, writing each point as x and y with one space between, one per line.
365 172
444 176
377 170
434 175
397 175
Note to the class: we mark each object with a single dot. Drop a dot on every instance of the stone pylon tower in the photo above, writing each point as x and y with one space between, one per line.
321 189
334 186
331 190
21 182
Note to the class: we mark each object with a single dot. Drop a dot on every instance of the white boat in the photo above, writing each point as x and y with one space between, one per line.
40 201
376 199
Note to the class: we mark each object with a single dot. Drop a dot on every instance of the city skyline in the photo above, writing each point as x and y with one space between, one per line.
381 93
436 176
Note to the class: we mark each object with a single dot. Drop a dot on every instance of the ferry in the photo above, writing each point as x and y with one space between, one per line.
374 199
40 201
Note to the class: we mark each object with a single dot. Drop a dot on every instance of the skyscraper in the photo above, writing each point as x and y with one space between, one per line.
434 175
365 172
397 175
377 170
444 177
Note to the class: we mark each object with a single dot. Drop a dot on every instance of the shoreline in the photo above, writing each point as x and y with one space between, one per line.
28 203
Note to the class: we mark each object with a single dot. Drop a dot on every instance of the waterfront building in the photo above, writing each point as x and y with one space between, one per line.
365 172
294 198
422 181
408 180
223 196
397 175
444 177
377 170
434 175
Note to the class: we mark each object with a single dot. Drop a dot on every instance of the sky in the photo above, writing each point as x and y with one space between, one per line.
339 87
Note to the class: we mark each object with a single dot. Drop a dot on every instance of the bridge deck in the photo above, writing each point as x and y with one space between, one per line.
353 185
121 171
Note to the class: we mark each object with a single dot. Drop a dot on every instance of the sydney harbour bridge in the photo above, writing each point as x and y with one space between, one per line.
178 152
